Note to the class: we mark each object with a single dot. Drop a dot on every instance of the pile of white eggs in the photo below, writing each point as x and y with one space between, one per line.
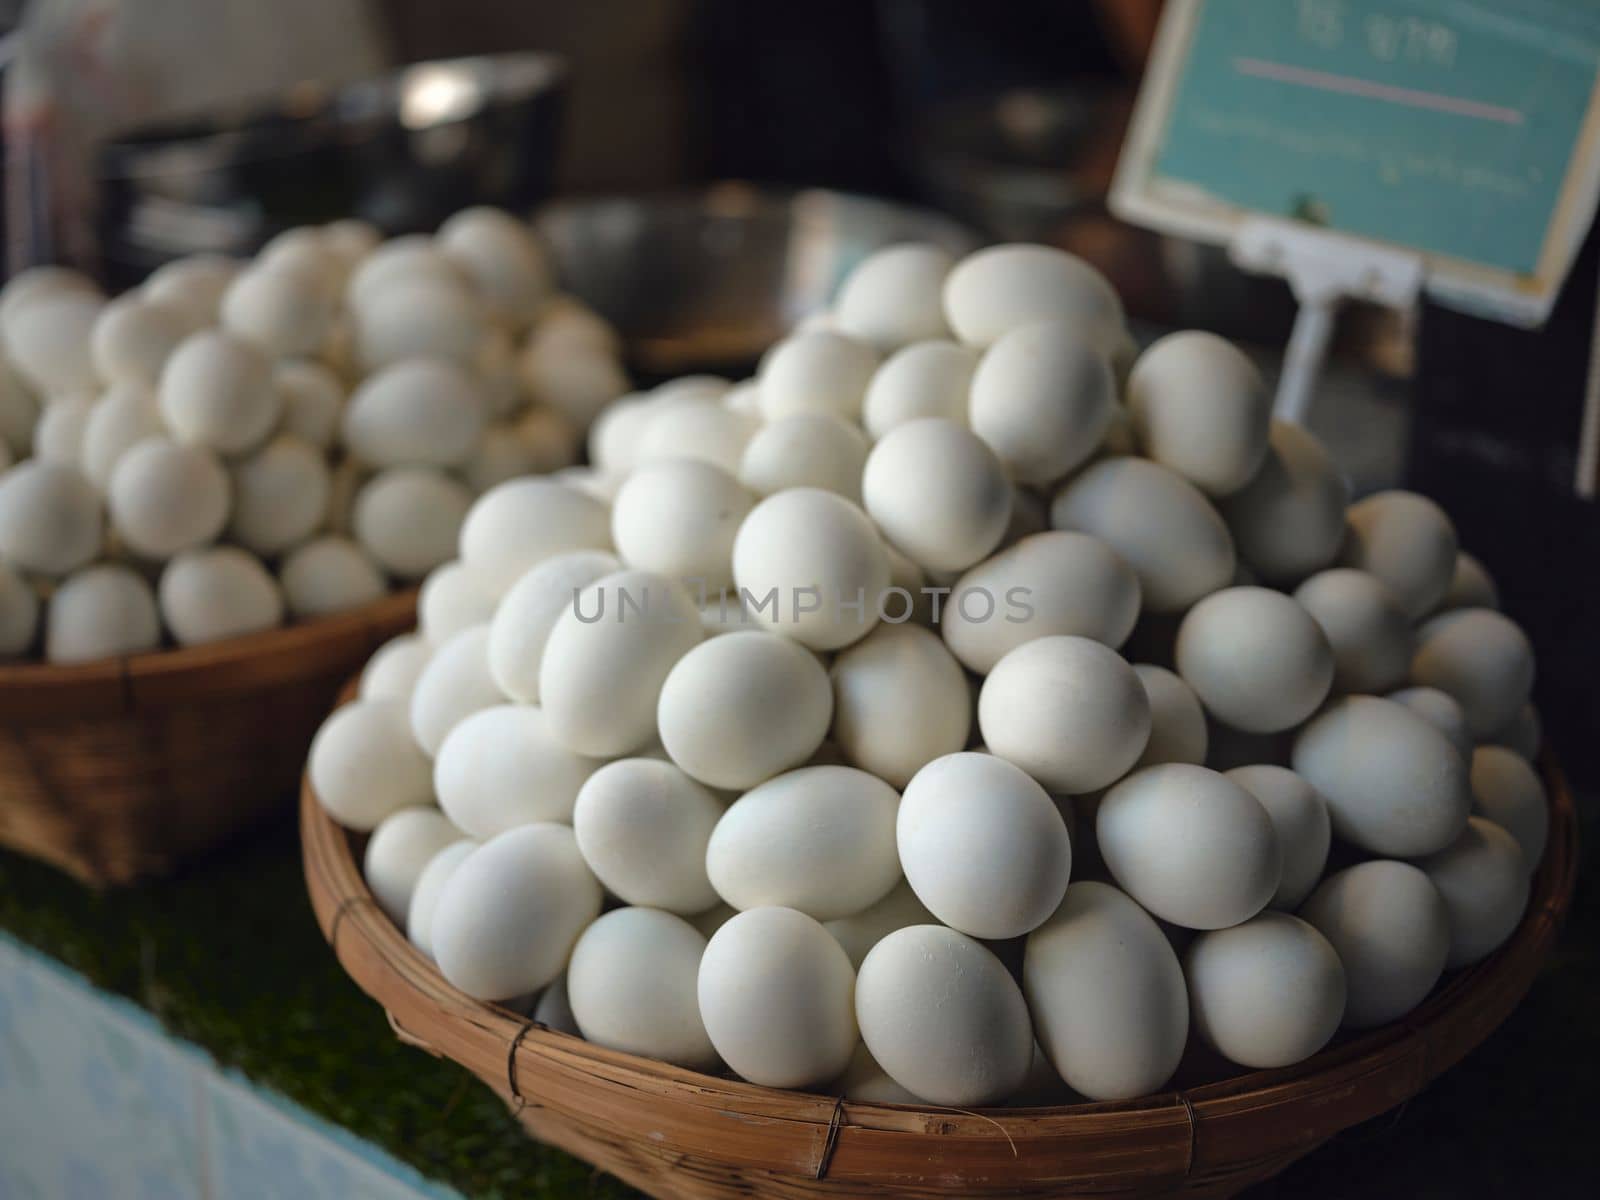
967 709
234 443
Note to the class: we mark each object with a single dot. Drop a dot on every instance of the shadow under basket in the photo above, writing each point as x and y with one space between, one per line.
680 1134
122 769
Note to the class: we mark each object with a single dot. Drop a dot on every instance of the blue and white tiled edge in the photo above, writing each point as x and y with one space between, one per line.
98 1103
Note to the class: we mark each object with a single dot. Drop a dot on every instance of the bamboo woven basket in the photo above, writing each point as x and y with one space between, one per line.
121 769
687 1136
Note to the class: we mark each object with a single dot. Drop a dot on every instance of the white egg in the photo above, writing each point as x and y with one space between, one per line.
862 931
125 415
503 259
500 767
1107 995
48 339
47 281
983 846
1190 845
455 684
518 524
892 297
280 496
329 575
1394 785
100 612
1480 658
1000 288
816 372
1506 789
391 673
1256 658
1068 710
608 655
1389 926
1177 721
1042 398
810 565
399 850
1408 542
777 996
216 593
944 1018
19 613
643 826
697 429
428 887
364 764
194 285
313 401
284 313
59 435
451 598
1289 519
926 379
166 497
133 338
1159 524
678 517
820 840
409 519
419 318
816 450
1051 583
525 615
1265 994
511 912
414 258
1440 710
1199 407
1483 879
614 438
1471 586
900 701
50 522
633 986
418 412
938 493
576 381
217 391
737 710
1300 819
1368 630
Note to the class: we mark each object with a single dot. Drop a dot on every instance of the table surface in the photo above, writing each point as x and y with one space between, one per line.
227 956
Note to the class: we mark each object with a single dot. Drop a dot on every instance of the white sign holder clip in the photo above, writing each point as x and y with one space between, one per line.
1324 269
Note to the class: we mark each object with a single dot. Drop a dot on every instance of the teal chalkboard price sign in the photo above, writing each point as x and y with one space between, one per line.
1463 132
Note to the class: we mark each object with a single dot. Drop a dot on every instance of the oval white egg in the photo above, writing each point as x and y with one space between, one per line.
925 379
817 450
1482 659
510 913
525 615
520 523
455 684
816 372
327 575
100 612
1483 879
820 840
1288 521
1368 630
900 701
500 767
1507 790
938 493
983 846
216 391
678 517
643 826
943 1017
1408 542
1190 845
399 850
364 764
166 497
218 592
49 518
777 996
1107 995
997 289
1256 658
427 889
1300 819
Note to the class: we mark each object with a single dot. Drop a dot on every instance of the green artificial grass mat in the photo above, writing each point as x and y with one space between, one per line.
228 956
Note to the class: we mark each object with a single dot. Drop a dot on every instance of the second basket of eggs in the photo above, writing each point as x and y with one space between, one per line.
967 711
218 492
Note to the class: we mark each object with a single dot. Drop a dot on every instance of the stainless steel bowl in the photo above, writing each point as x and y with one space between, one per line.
708 280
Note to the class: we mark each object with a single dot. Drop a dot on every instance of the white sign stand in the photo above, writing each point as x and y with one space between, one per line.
1324 269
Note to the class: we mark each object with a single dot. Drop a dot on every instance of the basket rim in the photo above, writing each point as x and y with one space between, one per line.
153 678
1175 1133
